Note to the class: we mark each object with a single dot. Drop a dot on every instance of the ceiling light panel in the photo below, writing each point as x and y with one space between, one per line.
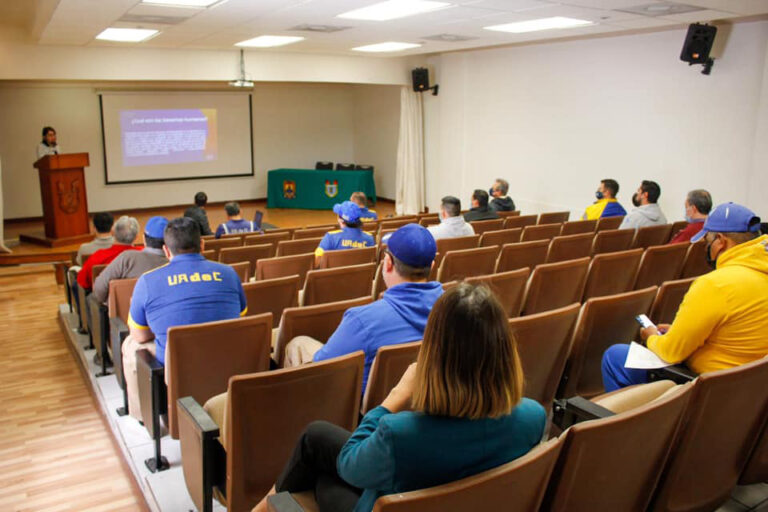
126 35
390 46
199 4
393 9
555 22
269 41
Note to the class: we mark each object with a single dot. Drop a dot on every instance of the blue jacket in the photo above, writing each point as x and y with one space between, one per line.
393 453
399 317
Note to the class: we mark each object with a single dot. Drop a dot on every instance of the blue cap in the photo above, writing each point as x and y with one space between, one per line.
412 244
729 218
156 227
348 211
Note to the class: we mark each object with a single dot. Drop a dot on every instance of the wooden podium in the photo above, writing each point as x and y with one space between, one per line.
65 206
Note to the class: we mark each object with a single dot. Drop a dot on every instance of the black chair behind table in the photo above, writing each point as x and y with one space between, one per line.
363 167
345 167
324 166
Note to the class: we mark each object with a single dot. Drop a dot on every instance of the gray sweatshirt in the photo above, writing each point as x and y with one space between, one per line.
642 216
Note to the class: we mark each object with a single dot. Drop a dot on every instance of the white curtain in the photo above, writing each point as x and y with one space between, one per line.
3 248
410 194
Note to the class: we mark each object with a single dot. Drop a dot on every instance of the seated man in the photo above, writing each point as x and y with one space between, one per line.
102 221
501 202
646 211
131 264
360 200
125 231
188 290
350 236
452 224
723 319
197 213
698 204
399 317
235 222
606 205
480 209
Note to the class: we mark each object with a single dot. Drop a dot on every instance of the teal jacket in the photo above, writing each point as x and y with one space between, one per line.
393 453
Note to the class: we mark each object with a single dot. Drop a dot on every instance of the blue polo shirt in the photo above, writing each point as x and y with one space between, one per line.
346 238
367 215
188 290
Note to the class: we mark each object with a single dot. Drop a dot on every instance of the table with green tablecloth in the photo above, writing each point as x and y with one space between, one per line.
316 189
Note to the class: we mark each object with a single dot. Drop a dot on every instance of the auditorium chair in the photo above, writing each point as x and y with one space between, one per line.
218 245
554 285
659 264
272 295
250 253
270 238
337 284
324 166
520 221
652 235
576 227
458 243
569 247
506 214
429 221
210 255
668 300
613 240
381 233
379 286
397 222
603 321
371 226
345 167
500 237
695 263
347 257
540 232
509 288
387 368
294 247
615 461
283 266
677 226
240 444
313 232
318 322
363 167
242 269
543 342
522 255
553 217
118 307
275 231
96 320
199 360
481 226
612 273
467 263
756 469
608 223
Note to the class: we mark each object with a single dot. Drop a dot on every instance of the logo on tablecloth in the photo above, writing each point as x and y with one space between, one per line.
289 189
331 189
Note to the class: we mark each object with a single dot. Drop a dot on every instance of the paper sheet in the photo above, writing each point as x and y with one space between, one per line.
642 358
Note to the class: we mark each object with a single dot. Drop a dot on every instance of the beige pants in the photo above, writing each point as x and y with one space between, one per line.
130 347
300 350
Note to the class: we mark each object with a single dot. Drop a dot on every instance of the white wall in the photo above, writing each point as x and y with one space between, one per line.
556 118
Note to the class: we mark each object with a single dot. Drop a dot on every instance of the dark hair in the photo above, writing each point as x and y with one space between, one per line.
451 205
201 198
153 242
611 185
701 200
409 272
47 129
232 208
182 236
652 189
357 224
481 196
103 221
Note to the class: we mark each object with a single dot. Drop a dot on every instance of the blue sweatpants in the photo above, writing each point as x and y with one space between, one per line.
615 376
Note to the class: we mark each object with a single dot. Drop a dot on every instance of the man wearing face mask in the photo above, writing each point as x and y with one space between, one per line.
723 319
501 202
697 206
606 204
646 211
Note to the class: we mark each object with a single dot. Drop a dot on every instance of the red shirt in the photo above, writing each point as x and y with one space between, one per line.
685 234
100 257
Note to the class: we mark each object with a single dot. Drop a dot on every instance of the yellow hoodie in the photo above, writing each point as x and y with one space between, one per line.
723 319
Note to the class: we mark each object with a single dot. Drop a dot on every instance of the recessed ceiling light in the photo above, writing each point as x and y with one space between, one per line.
386 47
126 35
268 41
540 24
392 9
182 3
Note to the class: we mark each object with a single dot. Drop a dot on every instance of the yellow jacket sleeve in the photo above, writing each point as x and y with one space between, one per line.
702 310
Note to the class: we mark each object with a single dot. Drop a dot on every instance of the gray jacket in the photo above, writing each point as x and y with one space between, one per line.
642 216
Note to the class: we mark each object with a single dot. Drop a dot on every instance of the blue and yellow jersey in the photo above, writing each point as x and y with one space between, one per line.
346 238
604 208
367 215
188 290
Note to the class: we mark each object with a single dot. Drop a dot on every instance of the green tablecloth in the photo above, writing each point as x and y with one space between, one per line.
314 189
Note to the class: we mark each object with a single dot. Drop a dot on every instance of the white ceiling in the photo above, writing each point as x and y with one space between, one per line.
77 22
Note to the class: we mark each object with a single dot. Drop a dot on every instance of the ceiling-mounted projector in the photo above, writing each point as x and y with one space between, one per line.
241 81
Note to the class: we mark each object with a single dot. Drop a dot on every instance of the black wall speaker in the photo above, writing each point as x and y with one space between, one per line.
698 43
420 78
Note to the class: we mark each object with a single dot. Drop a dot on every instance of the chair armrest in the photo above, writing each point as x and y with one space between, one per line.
153 399
679 374
577 409
203 422
283 502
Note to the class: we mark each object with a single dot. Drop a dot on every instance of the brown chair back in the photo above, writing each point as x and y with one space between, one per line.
318 232
756 470
668 300
695 263
570 247
554 217
347 257
456 244
500 237
119 298
395 223
335 284
516 486
481 226
543 342
318 322
467 263
613 240
429 221
388 366
677 227
272 295
300 246
249 253
210 255
200 358
540 232
554 285
282 266
379 286
612 273
603 321
258 443
505 214
520 221
96 270
522 255
607 223
509 288
271 239
576 227
242 269
280 230
218 245
660 263
652 235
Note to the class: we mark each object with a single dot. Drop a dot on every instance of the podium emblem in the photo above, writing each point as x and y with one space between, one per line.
289 189
331 189
69 198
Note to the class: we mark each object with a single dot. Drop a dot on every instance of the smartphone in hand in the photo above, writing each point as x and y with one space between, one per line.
644 321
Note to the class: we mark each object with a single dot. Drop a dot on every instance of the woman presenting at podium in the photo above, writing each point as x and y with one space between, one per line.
48 146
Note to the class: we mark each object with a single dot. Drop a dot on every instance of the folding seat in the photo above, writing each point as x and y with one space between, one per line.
301 246
315 232
371 226
570 247
668 300
118 307
240 446
576 227
456 244
272 295
282 266
387 368
554 217
500 237
481 226
608 223
505 214
613 240
429 221
379 286
677 227
522 255
509 288
249 253
520 221
89 312
218 245
336 284
272 239
612 273
210 255
660 263
467 263
347 257
652 235
384 232
397 222
696 261
756 469
540 232
280 230
554 285
242 269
